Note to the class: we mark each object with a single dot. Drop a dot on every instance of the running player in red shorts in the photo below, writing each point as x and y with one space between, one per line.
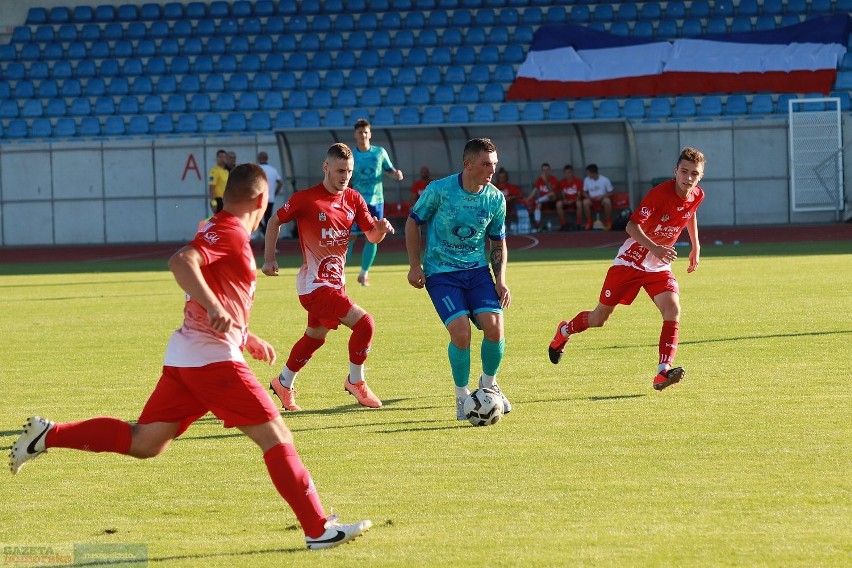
644 261
326 214
204 368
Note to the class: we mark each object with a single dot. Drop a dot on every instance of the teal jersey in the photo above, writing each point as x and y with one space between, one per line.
367 175
458 223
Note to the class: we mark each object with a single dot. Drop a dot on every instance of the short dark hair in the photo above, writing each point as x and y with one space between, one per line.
339 151
477 145
220 151
568 167
545 165
592 168
245 182
362 123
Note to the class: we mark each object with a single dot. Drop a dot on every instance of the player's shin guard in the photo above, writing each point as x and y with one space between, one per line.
368 255
361 338
295 485
459 364
492 355
302 352
668 343
579 323
103 434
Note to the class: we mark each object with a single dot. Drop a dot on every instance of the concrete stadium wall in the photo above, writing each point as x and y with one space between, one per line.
155 190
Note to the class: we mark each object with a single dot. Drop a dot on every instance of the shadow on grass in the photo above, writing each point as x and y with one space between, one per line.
738 338
152 560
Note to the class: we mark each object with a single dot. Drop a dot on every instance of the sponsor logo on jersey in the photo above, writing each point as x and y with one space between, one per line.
211 237
322 216
463 232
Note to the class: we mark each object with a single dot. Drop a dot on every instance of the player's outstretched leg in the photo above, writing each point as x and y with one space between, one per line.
362 393
336 534
507 406
668 377
557 344
286 395
30 444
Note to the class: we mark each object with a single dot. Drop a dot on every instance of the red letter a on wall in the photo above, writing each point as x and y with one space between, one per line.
191 165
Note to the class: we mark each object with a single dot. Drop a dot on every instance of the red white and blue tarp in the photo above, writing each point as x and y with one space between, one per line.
569 61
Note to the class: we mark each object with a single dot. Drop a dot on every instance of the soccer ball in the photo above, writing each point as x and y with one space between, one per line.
483 407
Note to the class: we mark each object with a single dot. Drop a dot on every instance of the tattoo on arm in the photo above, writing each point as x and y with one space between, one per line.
496 260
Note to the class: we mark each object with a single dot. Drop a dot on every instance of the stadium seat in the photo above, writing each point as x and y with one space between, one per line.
114 126
65 128
321 99
395 96
36 16
659 108
684 107
132 67
419 96
138 125
699 9
493 93
627 12
764 23
748 8
297 100
210 123
407 77
667 29
507 112
558 110
579 14
762 104
166 85
236 122
383 117
650 11
334 117
200 103
272 101
643 29
634 108
468 94
104 106
444 95
161 124
152 104
489 55
80 107
17 129
675 10
533 112
433 115
38 70
736 104
309 119
408 115
224 102
711 105
214 83
584 110
91 126
141 86
506 17
55 108
691 27
59 15
260 122
189 84
717 26
176 104
41 128
790 20
127 13
458 114
474 36
26 90
128 106
607 108
238 82
31 109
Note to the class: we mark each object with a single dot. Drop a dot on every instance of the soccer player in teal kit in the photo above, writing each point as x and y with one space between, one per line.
462 211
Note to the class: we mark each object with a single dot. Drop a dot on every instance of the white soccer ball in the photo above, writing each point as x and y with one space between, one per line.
483 407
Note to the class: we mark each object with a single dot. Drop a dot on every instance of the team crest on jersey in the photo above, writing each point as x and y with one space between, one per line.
645 212
664 218
350 215
482 216
211 237
322 216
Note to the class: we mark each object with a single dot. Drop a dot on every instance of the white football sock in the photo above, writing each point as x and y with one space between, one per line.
356 373
287 377
487 381
462 392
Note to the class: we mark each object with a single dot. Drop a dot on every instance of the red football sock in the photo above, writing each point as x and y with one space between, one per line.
302 352
579 323
295 485
102 434
359 342
668 342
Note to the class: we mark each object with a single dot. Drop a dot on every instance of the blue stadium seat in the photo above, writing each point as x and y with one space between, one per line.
334 117
309 119
724 8
36 16
691 28
297 62
523 35
558 110
25 90
62 70
395 96
344 23
699 9
262 44
8 53
71 88
285 81
454 75
627 12
176 104
180 29
417 57
667 29
414 21
146 48
371 97
684 107
620 28
275 26
5 90
213 46
132 67
790 20
32 108
498 36
506 17
38 70
162 124
65 128
711 105
189 84
409 115
8 109
91 126
736 104
30 52
142 86
236 122
260 122
507 112
109 68
532 16
59 15
310 80
274 62
219 9
821 7
651 11
94 87
406 77
358 41
489 55
427 38
419 96
224 102
444 95
390 21
430 76
238 82
717 26
80 107
297 100
433 115
114 126
186 124
128 106
22 34
452 37
195 10
493 93
533 112
461 19
15 72
367 22
158 30
238 45
458 114
762 104
383 117
764 23
644 29
346 98
659 108
200 103
56 107
172 11
321 99
44 34
468 94
138 125
607 108
41 128
741 24
748 8
605 13
166 85
127 12
504 73
17 129
104 106
152 104
169 47
210 123
584 110
634 108
67 33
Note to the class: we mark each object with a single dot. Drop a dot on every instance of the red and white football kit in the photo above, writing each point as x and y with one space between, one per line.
570 190
662 215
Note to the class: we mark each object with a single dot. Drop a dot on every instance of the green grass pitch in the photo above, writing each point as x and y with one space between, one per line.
748 462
